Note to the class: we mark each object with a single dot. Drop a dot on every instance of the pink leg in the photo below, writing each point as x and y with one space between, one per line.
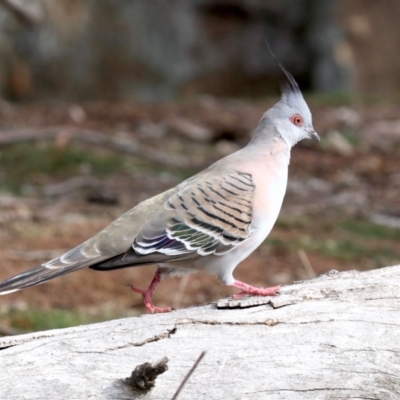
248 289
148 293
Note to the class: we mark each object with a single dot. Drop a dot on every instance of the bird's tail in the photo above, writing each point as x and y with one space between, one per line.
33 277
75 259
78 258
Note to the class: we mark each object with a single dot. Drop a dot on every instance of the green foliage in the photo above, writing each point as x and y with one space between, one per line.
351 136
343 98
348 240
38 320
334 99
352 251
369 230
27 163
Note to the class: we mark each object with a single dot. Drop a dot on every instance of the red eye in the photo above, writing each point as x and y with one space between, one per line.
297 120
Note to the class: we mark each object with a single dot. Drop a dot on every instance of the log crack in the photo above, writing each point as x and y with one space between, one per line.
156 338
189 321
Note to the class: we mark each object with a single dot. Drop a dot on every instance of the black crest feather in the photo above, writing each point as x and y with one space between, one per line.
291 86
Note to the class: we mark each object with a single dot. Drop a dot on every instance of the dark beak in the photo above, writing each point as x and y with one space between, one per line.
313 135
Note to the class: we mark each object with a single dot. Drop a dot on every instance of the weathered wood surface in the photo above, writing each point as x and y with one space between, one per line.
336 337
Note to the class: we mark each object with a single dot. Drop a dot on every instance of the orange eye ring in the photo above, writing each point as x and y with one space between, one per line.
297 120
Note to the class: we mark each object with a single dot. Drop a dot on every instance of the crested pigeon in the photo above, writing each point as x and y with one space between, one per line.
211 221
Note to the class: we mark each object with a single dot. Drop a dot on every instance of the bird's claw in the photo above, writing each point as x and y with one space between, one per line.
147 299
253 291
156 310
238 296
136 290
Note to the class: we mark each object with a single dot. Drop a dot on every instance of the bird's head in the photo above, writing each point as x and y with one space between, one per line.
291 114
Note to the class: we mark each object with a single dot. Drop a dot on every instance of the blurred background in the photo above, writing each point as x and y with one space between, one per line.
104 104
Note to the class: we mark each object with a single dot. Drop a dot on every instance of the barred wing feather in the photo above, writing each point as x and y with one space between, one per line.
208 217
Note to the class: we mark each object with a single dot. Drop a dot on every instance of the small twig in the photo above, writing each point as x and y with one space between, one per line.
195 365
306 264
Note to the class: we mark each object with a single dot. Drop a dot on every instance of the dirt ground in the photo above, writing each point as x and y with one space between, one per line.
341 210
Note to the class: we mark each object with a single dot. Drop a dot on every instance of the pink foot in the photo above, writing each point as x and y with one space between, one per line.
148 293
248 289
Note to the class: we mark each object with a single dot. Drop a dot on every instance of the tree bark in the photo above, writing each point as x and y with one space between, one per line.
334 337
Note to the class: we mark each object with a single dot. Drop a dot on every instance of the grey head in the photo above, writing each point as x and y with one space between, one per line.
290 118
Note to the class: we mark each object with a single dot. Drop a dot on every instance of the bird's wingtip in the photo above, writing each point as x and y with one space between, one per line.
2 293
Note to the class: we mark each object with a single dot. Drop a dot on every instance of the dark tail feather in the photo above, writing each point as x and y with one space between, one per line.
291 85
132 259
33 277
42 274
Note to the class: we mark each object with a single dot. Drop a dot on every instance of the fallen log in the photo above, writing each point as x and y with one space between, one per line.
333 337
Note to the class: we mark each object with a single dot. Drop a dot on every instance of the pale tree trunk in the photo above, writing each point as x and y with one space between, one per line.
335 337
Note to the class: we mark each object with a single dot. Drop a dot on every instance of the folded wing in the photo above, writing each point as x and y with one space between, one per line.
204 217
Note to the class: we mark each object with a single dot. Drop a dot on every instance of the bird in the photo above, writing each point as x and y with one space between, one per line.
210 222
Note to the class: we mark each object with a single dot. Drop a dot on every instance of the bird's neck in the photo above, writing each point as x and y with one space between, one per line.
269 145
269 132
